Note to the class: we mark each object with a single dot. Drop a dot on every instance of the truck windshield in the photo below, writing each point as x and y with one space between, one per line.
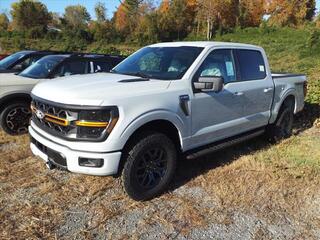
8 61
42 68
165 63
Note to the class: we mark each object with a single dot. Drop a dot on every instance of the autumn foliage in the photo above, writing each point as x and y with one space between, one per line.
147 21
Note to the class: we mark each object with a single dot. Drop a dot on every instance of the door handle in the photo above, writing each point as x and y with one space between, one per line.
266 90
238 93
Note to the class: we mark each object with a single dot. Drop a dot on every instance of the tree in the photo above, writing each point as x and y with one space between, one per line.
127 16
28 14
218 14
77 16
100 10
4 22
290 12
251 13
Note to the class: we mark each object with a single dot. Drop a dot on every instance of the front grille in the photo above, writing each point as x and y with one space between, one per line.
54 119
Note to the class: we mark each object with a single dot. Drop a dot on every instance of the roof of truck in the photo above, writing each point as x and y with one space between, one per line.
202 44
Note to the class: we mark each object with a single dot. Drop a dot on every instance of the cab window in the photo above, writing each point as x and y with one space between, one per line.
219 63
251 65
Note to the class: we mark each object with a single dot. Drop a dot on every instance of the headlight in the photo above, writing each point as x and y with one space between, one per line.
94 124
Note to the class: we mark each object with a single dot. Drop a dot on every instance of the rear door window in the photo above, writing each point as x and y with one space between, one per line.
251 65
71 68
101 66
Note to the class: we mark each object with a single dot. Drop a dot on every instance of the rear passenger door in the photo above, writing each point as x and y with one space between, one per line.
255 86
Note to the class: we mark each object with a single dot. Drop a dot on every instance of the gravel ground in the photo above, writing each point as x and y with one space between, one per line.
37 203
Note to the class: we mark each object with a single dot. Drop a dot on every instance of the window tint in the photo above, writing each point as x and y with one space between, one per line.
167 63
101 66
42 68
219 63
71 68
6 62
251 65
21 65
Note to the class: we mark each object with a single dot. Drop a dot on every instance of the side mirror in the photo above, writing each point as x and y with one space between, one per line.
209 84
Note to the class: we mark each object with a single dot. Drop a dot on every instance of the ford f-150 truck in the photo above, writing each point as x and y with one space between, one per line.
165 100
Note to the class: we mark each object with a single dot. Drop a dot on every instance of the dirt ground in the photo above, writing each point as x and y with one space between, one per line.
251 191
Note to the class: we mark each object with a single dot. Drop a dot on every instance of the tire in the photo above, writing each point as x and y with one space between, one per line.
283 126
15 118
149 165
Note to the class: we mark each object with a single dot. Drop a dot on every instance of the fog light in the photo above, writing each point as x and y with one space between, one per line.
91 162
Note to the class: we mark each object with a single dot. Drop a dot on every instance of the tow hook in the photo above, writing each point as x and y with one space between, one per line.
49 165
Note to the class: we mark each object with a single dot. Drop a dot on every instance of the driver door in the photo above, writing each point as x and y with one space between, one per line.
217 115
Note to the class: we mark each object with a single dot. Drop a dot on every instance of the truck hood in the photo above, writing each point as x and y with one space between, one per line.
94 89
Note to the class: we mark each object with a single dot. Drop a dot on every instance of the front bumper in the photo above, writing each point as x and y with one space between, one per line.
39 143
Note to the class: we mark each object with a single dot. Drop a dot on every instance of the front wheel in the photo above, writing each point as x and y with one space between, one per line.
15 118
150 163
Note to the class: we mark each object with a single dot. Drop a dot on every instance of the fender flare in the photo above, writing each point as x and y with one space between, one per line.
13 95
277 106
154 115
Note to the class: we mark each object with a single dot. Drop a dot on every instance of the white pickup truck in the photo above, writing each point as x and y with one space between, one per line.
165 100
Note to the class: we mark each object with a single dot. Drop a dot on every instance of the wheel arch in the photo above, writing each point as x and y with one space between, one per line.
164 126
289 96
13 97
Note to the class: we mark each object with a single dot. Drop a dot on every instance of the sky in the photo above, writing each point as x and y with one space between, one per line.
59 5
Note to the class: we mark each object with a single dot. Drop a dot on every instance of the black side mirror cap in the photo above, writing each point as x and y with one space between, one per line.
209 84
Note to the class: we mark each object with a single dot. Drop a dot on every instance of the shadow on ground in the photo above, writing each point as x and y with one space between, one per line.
189 169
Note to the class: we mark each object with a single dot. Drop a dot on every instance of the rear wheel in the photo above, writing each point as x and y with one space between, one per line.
15 118
150 163
283 126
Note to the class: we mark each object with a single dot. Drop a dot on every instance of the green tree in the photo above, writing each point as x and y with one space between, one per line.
4 22
28 14
100 11
77 16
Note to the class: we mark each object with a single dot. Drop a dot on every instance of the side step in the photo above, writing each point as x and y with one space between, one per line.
226 143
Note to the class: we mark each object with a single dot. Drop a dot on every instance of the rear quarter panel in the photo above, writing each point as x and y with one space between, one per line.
284 87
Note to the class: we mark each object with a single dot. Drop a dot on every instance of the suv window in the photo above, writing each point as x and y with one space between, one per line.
26 63
101 66
251 64
219 63
71 68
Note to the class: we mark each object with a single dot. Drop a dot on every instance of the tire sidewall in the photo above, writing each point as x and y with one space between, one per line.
132 187
6 111
274 131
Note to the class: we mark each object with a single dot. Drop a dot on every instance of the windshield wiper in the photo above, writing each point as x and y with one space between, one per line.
139 74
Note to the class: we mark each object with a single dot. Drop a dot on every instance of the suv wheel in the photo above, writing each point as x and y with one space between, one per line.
15 118
150 163
283 126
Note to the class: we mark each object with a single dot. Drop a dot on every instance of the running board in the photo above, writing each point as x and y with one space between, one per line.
226 143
